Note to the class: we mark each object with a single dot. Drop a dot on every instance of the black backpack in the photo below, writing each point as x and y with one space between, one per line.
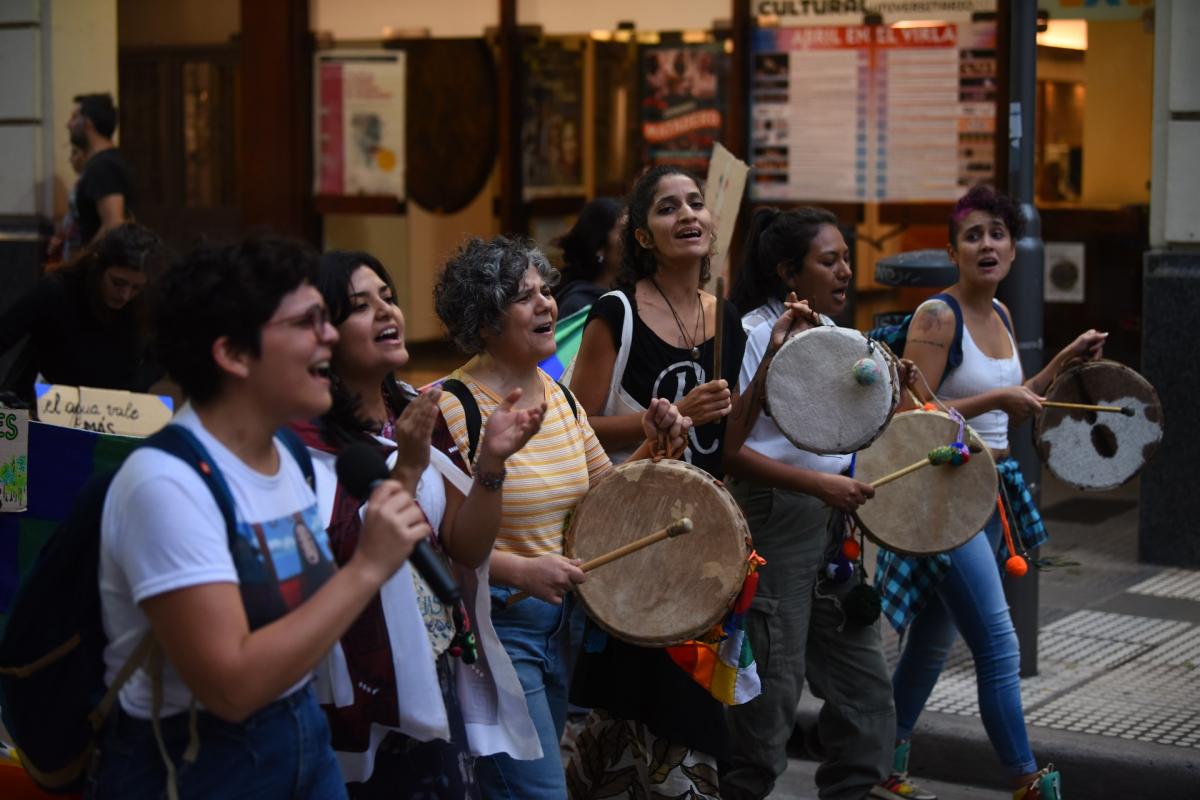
52 691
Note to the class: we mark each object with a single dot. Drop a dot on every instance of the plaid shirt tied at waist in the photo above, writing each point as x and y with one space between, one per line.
906 583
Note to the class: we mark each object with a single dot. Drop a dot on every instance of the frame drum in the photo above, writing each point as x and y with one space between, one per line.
934 509
676 589
1099 450
832 390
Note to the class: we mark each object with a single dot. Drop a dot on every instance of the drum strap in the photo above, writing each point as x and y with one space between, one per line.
475 419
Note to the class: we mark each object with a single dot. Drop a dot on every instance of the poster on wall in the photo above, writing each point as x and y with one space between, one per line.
552 119
1065 272
869 113
360 123
14 459
681 103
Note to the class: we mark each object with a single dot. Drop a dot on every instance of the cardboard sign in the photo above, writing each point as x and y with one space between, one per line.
103 410
723 195
14 459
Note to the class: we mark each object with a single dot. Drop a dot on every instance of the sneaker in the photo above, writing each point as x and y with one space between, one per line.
1046 786
898 786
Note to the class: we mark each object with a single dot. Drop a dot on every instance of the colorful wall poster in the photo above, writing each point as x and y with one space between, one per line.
682 103
360 123
552 119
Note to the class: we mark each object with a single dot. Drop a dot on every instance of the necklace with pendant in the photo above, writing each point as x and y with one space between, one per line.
692 343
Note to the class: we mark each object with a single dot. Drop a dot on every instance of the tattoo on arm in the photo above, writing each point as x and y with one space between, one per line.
933 317
928 342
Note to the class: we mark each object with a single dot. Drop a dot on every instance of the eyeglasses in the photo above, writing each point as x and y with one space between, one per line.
316 318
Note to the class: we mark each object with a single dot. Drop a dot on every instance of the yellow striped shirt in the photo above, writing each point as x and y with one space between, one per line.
547 478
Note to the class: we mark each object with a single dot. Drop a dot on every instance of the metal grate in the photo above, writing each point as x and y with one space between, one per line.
1183 584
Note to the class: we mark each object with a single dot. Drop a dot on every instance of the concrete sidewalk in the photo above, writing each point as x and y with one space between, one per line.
1116 701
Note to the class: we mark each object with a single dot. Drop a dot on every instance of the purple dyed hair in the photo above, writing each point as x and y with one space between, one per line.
982 197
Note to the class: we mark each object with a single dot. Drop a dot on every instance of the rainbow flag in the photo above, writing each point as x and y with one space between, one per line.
723 661
61 460
568 333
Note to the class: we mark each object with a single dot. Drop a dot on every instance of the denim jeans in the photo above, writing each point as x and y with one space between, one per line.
280 752
537 637
970 600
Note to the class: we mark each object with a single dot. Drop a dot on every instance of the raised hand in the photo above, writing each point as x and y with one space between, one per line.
414 429
509 429
797 316
1088 346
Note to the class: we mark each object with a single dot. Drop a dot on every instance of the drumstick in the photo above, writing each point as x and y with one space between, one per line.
913 467
682 525
1126 410
719 331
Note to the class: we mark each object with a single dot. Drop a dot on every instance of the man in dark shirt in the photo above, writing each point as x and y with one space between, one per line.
105 195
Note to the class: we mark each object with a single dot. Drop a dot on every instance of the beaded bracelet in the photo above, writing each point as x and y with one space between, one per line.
491 481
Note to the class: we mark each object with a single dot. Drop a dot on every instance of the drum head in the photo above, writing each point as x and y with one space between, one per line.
673 590
1099 450
933 509
815 398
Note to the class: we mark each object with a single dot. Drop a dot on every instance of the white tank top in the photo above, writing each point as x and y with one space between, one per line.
979 373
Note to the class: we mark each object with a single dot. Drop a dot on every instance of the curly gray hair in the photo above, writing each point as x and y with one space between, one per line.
479 282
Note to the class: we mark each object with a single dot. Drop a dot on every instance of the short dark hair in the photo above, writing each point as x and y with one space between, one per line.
775 237
344 423
982 197
589 234
100 110
229 290
638 262
478 284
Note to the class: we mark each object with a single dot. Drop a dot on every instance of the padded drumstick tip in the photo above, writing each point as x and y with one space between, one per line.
1127 411
682 525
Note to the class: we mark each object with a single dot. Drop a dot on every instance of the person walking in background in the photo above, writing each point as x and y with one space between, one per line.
105 194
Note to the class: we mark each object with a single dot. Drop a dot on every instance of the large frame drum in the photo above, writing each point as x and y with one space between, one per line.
935 508
1099 450
674 590
832 390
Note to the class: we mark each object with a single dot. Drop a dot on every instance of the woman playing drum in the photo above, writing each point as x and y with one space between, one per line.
795 502
965 592
661 325
494 299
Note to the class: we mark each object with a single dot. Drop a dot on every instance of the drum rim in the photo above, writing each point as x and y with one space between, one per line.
1039 421
985 453
889 358
697 630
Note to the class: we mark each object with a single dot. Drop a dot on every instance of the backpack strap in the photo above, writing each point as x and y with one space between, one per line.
183 444
955 356
1004 317
470 410
295 445
570 399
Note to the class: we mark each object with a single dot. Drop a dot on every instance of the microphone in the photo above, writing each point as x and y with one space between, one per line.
360 469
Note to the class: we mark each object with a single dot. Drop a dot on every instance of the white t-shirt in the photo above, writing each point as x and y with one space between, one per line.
765 437
162 530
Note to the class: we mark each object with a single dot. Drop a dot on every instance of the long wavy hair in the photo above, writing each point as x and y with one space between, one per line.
775 237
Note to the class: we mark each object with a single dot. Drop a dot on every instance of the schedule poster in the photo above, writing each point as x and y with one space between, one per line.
360 123
873 113
681 103
552 120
